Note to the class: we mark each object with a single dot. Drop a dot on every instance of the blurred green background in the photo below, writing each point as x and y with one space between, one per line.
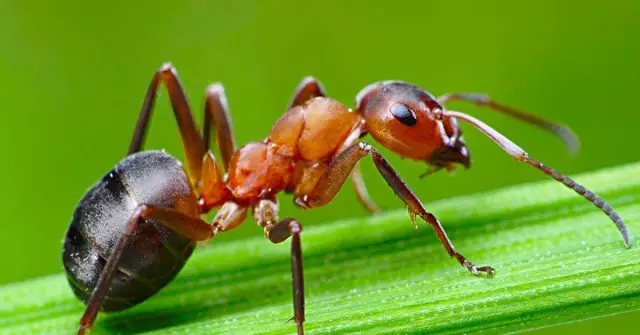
74 75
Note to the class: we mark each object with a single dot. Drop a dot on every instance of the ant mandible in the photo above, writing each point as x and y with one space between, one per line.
134 230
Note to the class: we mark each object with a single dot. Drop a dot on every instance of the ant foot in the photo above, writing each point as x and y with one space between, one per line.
83 329
478 270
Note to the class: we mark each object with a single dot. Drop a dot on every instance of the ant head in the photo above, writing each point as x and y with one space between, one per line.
409 121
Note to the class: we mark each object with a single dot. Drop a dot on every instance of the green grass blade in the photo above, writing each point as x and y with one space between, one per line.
558 260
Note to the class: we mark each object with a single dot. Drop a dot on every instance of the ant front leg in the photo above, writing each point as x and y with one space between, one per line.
309 88
339 169
188 226
361 191
266 216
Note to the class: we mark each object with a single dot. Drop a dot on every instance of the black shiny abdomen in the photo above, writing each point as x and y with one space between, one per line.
154 255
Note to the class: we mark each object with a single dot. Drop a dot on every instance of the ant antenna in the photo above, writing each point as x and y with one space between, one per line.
565 133
518 153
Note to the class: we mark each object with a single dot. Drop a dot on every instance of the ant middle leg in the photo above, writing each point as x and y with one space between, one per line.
195 146
337 172
277 231
191 140
216 114
211 188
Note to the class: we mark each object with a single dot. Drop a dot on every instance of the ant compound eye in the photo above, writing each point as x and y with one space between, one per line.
404 114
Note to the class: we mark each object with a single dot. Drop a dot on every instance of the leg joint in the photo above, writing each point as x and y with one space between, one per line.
283 230
167 68
216 89
366 147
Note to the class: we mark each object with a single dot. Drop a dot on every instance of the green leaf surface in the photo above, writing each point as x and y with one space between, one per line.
558 260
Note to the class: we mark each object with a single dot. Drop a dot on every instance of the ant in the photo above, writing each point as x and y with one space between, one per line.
135 229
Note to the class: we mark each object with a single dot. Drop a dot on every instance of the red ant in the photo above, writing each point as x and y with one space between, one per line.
134 230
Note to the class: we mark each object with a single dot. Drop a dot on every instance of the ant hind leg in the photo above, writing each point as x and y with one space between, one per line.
188 226
191 140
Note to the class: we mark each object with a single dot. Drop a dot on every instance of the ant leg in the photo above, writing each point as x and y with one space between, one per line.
563 132
356 176
216 114
266 215
191 227
191 140
211 188
340 167
361 191
230 216
308 88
